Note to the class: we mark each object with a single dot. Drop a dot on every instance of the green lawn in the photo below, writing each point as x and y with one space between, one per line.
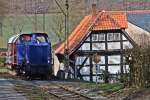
104 87
3 70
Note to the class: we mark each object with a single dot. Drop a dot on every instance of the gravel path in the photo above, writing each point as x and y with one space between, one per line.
7 91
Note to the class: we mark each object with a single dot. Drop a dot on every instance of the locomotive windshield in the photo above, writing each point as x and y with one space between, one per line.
41 38
29 38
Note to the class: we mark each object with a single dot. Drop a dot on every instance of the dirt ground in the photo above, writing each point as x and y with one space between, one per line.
32 89
131 94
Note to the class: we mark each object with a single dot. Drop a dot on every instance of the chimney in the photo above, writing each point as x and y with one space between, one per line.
94 10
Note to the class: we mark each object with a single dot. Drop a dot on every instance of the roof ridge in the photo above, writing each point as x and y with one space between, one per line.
115 22
130 11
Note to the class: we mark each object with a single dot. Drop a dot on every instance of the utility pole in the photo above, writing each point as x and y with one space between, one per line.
35 16
67 39
44 21
66 46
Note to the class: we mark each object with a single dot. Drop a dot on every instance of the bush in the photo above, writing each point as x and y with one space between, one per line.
2 61
138 60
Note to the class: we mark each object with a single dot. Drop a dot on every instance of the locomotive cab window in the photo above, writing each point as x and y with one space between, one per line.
25 39
41 39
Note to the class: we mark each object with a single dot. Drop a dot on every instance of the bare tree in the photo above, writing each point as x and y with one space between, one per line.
3 7
58 27
76 12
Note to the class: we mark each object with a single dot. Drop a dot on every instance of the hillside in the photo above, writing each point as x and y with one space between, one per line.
15 22
21 15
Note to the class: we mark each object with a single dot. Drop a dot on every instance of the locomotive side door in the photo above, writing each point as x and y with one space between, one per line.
21 48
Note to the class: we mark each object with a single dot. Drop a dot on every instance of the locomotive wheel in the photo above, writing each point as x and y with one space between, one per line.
19 72
48 75
45 77
27 76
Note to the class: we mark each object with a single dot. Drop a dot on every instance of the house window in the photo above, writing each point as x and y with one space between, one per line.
101 37
85 70
98 46
114 69
113 36
80 60
127 45
113 45
116 36
110 36
88 39
86 78
95 37
114 59
85 46
123 37
98 37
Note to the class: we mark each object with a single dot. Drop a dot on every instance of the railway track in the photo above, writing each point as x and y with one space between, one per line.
64 93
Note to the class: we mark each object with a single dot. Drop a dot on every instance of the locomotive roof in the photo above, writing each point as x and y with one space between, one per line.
15 37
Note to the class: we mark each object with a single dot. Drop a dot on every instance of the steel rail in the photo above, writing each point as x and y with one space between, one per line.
65 93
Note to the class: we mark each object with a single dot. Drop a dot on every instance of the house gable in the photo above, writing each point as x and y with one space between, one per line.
109 44
102 21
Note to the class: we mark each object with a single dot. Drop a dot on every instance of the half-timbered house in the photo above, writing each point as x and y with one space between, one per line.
106 33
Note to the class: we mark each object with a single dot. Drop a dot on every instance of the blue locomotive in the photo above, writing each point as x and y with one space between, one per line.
30 54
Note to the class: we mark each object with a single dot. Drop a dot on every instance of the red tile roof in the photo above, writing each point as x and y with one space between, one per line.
111 20
103 21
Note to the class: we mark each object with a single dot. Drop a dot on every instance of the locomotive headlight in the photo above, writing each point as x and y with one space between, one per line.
28 62
48 61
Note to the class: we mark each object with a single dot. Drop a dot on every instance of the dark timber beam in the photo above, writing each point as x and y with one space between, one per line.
91 61
102 52
121 59
106 62
104 41
78 70
107 31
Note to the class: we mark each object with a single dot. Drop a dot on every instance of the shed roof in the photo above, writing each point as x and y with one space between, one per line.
139 35
140 18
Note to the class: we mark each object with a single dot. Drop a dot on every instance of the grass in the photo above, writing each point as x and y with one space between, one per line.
104 87
2 60
3 70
